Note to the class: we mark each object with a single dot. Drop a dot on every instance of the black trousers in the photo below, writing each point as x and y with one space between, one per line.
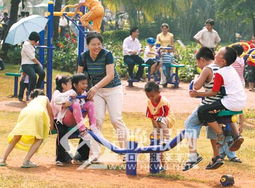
22 87
62 148
207 113
131 61
31 70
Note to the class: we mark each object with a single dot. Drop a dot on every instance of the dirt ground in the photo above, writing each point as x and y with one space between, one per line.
134 101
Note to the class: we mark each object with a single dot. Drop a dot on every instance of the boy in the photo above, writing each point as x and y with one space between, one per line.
158 110
167 57
234 100
150 56
205 61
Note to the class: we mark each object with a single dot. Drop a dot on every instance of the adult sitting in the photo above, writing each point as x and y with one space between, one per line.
30 64
131 50
106 90
165 38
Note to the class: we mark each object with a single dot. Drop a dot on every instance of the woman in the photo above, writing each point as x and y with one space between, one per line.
165 38
106 90
29 64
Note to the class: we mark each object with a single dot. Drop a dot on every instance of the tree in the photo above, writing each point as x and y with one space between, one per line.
237 8
57 8
12 19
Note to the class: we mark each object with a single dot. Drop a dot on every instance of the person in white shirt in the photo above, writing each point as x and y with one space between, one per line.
131 51
208 37
30 64
63 24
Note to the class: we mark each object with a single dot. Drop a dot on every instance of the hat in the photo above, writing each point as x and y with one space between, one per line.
151 40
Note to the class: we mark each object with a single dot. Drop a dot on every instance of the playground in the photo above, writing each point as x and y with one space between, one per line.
48 174
147 158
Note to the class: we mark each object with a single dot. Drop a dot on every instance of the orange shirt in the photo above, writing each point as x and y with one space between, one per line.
91 3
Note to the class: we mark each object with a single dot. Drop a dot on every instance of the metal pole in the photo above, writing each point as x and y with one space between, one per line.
81 36
41 51
50 48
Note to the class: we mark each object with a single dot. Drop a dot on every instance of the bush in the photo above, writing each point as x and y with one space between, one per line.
13 55
115 36
65 54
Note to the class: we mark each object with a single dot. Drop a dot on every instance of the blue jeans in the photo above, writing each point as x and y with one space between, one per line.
192 125
224 150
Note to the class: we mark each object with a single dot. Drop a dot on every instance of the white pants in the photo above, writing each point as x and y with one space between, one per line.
162 75
112 100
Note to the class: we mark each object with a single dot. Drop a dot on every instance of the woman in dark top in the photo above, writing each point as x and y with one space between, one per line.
106 90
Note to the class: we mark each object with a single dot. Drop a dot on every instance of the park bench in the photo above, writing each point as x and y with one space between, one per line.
16 79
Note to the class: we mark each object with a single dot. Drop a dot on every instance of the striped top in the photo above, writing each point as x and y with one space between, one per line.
96 69
167 58
209 85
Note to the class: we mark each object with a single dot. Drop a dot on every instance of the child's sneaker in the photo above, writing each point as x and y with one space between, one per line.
2 163
193 160
162 169
236 144
59 163
29 164
216 163
77 162
235 160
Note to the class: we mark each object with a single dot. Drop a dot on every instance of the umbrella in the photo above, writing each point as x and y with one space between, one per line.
21 30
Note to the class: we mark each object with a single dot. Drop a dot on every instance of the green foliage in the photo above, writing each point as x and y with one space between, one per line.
186 56
65 54
13 55
116 48
118 35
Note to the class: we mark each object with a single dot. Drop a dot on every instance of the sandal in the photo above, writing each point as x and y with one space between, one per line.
29 164
235 160
236 144
2 163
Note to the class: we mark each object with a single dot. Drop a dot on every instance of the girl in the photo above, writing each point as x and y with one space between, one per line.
71 113
31 129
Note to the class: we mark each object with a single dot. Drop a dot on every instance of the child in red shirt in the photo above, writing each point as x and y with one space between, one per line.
158 110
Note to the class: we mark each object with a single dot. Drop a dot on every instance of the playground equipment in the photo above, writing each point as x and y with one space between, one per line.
133 150
49 47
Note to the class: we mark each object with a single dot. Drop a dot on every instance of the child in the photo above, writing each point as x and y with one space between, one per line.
158 110
251 67
23 84
70 117
235 98
150 56
31 129
167 57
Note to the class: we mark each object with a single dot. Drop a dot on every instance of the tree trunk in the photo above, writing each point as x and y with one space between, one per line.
253 21
57 8
13 19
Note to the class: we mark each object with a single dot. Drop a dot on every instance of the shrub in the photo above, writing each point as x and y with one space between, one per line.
114 36
65 54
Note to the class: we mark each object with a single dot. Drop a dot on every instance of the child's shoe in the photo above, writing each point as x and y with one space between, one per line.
216 163
235 160
193 160
2 163
59 163
236 144
29 164
162 169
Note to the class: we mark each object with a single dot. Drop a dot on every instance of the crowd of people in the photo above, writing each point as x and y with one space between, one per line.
97 80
